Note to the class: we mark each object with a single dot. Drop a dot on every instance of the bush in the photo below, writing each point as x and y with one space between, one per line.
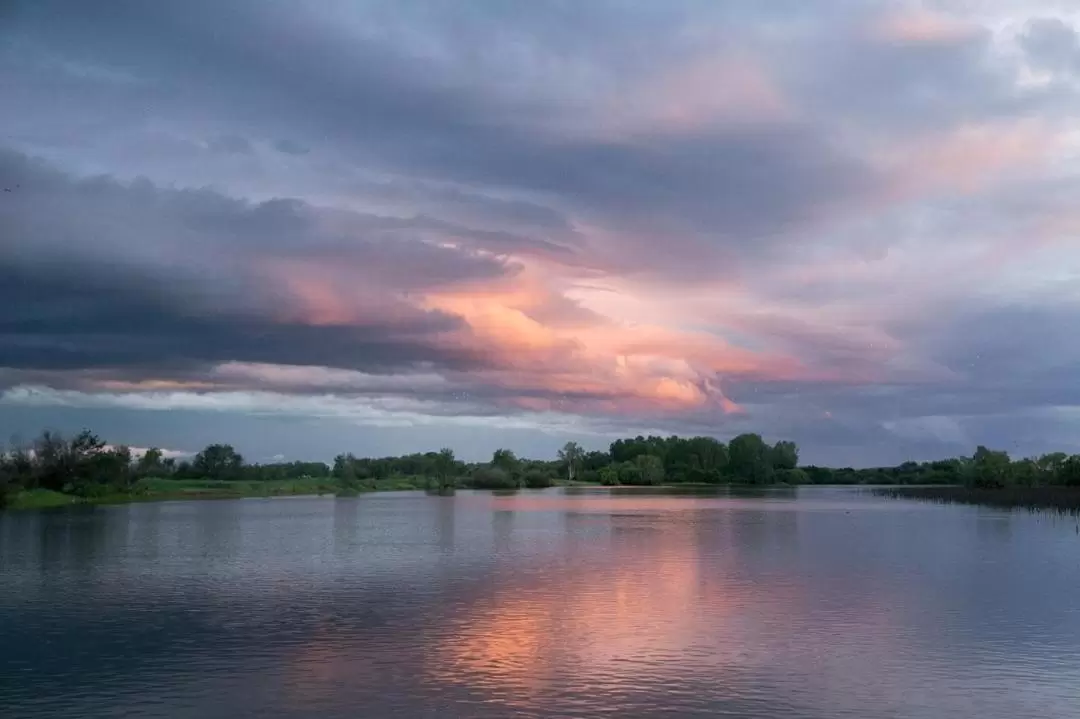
488 477
90 490
792 476
538 479
609 477
629 473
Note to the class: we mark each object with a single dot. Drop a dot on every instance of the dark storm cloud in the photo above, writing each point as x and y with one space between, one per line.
90 317
96 273
734 186
203 232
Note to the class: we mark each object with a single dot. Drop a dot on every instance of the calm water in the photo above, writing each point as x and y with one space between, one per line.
540 604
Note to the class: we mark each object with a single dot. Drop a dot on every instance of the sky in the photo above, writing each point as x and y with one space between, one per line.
390 226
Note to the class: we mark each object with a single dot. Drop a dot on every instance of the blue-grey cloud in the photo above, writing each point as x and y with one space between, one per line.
874 200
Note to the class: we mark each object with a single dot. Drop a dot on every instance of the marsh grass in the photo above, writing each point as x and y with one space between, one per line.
1065 500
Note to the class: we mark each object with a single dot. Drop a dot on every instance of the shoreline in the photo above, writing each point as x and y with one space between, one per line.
1060 499
170 490
1064 500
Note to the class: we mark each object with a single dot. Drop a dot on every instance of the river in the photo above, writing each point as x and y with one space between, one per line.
821 603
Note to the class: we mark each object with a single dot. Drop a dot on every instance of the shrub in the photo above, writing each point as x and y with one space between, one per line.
629 473
488 477
792 476
538 479
609 477
90 490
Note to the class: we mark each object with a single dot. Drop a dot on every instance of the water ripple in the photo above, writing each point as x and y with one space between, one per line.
539 605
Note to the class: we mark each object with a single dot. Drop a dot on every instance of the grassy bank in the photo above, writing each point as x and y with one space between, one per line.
154 489
1059 499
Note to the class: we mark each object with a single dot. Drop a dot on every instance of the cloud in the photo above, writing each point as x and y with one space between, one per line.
1051 44
826 221
917 26
230 145
290 147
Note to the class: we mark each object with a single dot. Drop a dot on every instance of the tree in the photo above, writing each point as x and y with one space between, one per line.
651 468
609 476
218 461
793 476
629 473
990 469
506 460
151 464
785 455
750 459
61 463
1070 472
489 477
1050 466
537 479
570 455
445 464
108 466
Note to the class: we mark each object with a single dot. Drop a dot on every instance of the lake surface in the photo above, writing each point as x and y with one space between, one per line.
824 603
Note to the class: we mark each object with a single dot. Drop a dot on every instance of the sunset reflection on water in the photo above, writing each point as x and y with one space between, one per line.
629 595
819 604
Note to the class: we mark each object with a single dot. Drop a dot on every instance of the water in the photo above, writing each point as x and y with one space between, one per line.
824 604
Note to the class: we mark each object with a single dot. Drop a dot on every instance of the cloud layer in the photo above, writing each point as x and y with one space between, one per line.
852 227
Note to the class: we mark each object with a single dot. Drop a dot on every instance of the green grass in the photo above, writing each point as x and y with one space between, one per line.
162 488
181 488
42 499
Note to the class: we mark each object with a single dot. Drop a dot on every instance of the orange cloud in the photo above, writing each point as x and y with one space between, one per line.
548 347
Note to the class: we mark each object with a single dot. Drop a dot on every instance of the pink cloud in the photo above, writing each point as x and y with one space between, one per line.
727 88
919 26
966 159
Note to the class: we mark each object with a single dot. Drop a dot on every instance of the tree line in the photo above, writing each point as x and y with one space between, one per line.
84 465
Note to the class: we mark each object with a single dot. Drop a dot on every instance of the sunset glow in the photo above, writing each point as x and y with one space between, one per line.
677 218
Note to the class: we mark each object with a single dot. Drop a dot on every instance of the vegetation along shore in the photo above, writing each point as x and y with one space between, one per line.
54 470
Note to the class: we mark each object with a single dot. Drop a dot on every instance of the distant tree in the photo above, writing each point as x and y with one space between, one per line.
491 477
594 461
1070 471
537 479
793 476
218 461
785 455
60 463
609 476
629 473
1025 472
570 455
1050 466
507 461
151 464
990 469
445 465
344 471
112 466
750 459
651 469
